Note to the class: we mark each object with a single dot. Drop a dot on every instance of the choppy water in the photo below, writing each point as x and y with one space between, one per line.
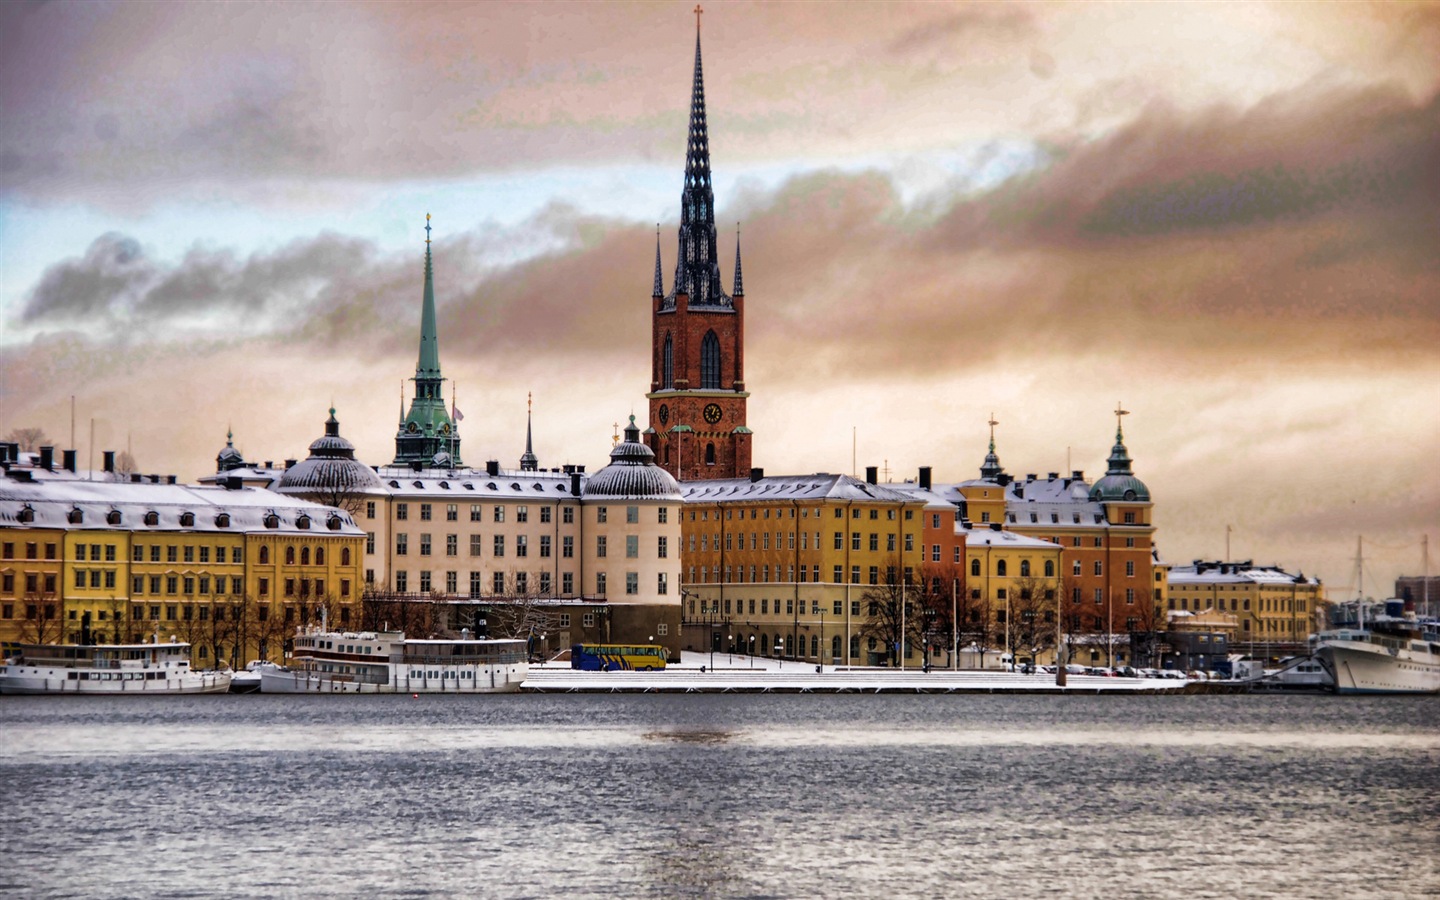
721 795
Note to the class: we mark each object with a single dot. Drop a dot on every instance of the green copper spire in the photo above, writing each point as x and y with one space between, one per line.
429 364
427 435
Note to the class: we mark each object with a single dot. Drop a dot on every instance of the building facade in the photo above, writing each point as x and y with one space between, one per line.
233 572
1270 605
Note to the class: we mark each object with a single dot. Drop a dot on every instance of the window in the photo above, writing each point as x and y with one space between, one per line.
522 545
1130 568
498 545
600 583
567 582
369 509
567 515
710 362
499 514
663 517
545 544
402 581
1097 567
632 515
667 377
854 540
402 511
452 512
600 546
1024 568
601 514
497 582
522 513
424 581
452 545
402 544
1000 568
424 517
663 547
475 512
632 546
567 546
632 583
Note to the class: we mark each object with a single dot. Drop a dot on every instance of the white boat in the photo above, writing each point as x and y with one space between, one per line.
1388 656
107 669
247 681
386 662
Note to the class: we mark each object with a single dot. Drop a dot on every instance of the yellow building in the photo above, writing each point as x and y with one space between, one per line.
781 566
1269 604
1013 584
232 572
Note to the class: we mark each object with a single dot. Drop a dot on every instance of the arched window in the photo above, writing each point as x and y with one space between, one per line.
667 373
710 362
709 454
1000 568
289 556
974 568
854 647
1024 568
834 646
1049 568
304 556
814 645
264 555
344 556
319 556
764 645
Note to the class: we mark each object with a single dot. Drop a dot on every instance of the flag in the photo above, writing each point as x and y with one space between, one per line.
456 414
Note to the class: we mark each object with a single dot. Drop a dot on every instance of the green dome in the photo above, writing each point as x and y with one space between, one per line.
1119 482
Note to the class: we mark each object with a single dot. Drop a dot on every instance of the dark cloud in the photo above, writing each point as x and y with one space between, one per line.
109 276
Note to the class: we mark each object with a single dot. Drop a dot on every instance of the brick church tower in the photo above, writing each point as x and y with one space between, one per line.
697 384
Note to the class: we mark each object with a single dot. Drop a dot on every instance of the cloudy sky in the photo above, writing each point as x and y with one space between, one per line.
1222 215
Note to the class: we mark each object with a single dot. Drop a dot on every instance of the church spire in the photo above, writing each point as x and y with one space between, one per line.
697 270
426 431
739 286
992 470
659 279
529 462
429 363
1119 457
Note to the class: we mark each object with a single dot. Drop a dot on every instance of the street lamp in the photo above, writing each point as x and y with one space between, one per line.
820 667
751 646
730 642
780 650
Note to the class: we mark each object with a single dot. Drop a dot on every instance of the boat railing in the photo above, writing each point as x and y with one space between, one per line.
497 657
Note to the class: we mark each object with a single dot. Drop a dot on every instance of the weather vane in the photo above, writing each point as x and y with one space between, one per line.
427 228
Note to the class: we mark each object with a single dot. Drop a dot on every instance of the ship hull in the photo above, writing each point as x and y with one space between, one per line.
1361 667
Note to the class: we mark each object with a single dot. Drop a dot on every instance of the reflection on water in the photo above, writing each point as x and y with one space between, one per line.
716 795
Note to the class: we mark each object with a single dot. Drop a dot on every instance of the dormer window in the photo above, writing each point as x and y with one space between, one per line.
514 486
394 484
333 523
75 516
27 513
445 485
113 517
418 484
222 520
187 519
469 486
152 518
303 522
272 520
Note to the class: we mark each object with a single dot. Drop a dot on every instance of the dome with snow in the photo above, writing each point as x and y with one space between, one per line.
1119 482
331 466
632 473
229 458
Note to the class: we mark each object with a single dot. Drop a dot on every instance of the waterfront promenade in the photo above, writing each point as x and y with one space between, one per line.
741 674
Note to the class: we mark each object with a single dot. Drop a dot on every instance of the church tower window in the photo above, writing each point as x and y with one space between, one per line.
710 362
668 381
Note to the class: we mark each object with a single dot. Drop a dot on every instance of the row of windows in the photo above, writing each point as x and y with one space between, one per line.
33 582
31 549
173 553
477 545
192 584
789 512
426 513
713 606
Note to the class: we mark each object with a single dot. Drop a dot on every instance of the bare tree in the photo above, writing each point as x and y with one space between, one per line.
893 612
940 595
29 439
44 621
1034 604
339 486
125 466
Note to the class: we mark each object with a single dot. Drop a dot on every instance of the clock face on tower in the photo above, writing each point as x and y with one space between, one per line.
664 414
712 413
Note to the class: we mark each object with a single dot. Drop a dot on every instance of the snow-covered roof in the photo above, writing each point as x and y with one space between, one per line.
473 484
111 506
1233 573
982 537
820 486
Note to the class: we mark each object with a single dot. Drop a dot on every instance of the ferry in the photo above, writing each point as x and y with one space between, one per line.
1391 653
107 669
386 662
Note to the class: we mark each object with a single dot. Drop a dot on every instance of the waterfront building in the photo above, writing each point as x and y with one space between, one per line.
1271 606
230 570
697 391
788 565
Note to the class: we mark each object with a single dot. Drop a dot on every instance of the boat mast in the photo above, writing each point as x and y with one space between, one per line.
1360 579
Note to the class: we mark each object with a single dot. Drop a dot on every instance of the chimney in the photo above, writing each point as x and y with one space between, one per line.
756 475
1054 475
994 526
1030 477
154 479
136 478
47 457
924 478
109 457
575 484
492 467
269 463
169 479
289 463
1078 475
415 466
233 483
872 473
69 457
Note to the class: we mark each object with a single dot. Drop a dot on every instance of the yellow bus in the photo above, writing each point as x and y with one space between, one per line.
610 657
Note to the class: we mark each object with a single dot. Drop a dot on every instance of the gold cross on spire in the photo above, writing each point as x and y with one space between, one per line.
427 229
992 424
616 438
698 13
1120 410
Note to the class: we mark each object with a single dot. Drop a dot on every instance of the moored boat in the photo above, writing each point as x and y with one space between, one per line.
1393 652
247 681
386 662
107 669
